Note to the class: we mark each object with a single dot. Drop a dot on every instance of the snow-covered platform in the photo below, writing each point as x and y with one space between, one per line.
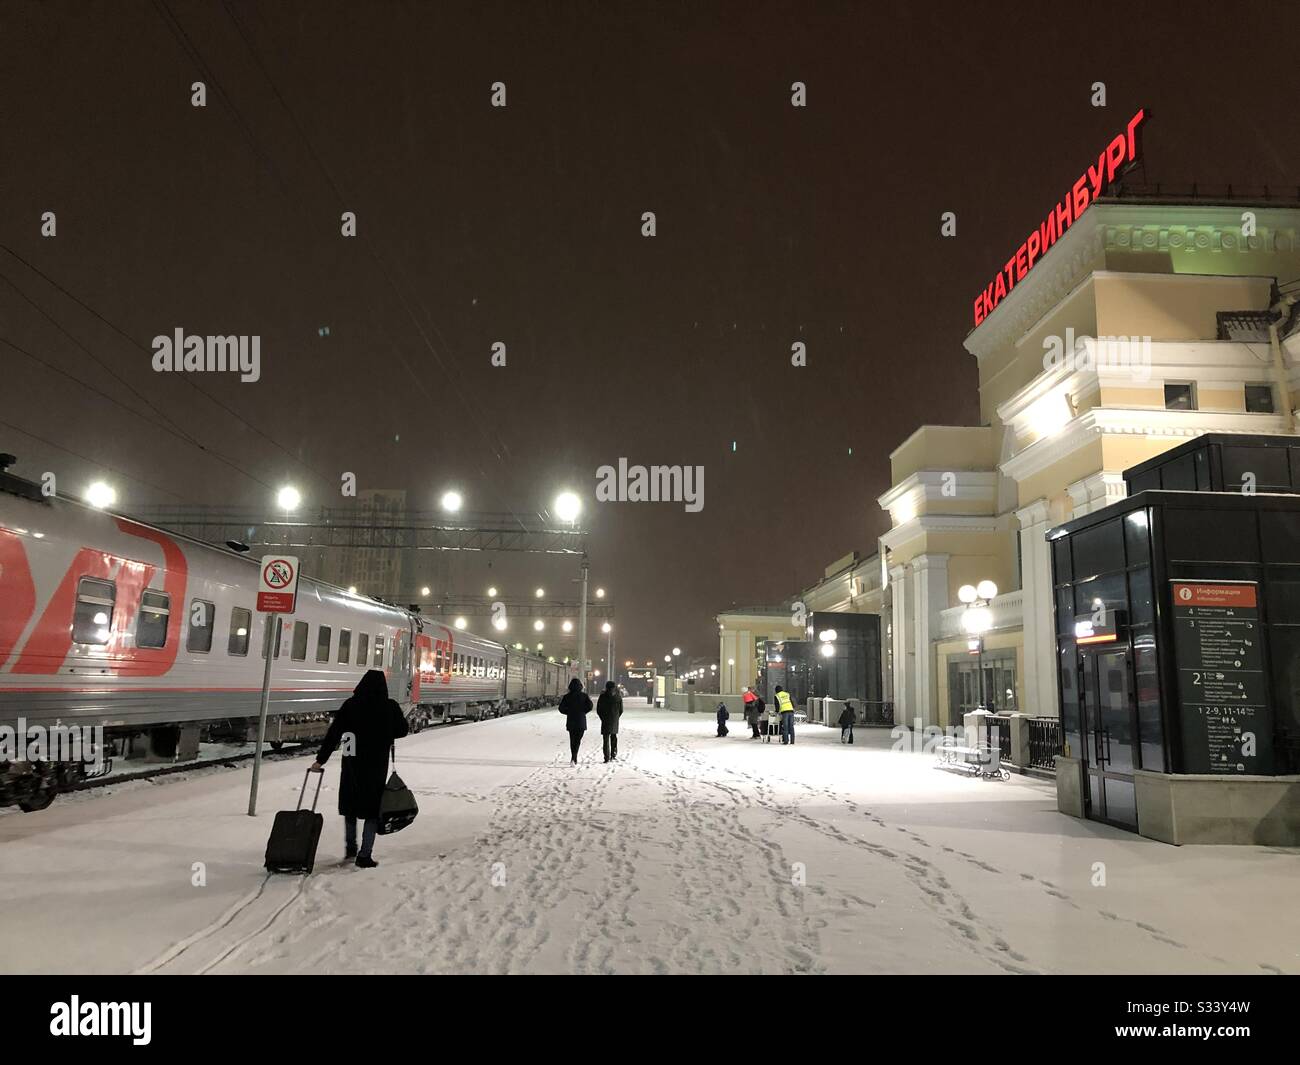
689 854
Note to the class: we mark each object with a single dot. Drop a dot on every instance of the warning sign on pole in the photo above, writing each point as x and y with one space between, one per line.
278 589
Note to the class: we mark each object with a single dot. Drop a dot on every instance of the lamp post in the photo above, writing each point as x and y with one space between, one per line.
608 630
977 619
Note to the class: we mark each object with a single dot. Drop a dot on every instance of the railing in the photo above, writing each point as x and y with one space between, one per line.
875 713
1003 725
1044 741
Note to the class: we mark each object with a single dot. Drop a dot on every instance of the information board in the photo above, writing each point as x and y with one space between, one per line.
1227 724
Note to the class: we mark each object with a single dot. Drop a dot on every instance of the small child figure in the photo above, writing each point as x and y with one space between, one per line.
722 719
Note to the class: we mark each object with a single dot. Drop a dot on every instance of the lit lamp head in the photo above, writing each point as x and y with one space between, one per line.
967 593
987 590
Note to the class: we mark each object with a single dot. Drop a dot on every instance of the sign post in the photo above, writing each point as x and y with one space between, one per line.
277 593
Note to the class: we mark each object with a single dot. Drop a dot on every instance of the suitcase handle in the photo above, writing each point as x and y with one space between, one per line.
320 779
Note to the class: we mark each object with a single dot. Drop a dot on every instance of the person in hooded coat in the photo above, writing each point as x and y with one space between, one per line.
366 726
575 706
753 711
609 708
722 719
847 719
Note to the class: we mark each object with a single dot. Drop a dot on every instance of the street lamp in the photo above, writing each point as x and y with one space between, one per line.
539 624
425 591
288 498
567 507
492 592
567 626
977 619
608 630
461 623
540 592
451 501
600 593
100 495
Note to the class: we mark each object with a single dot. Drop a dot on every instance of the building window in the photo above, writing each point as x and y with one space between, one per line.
345 646
202 614
151 628
323 637
1180 395
1259 399
93 620
241 621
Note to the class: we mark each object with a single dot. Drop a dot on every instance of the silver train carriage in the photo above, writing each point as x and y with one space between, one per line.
154 637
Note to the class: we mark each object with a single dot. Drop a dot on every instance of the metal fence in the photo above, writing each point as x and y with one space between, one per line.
1044 741
874 713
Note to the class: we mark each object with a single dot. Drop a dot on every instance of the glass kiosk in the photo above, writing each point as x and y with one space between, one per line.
1178 649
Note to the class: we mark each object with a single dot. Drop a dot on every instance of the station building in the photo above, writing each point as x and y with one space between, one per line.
1150 322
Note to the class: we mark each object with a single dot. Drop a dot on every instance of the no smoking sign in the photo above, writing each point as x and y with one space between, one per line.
277 590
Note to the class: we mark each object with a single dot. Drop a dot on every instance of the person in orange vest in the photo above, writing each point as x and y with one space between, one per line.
785 708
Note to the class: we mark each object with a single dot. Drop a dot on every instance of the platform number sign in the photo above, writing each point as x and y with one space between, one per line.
278 589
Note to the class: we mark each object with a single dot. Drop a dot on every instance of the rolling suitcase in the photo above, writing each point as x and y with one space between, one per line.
295 835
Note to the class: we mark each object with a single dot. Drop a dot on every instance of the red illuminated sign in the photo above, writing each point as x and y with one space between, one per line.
1116 157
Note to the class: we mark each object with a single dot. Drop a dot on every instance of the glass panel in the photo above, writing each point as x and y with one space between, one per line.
1099 549
1280 531
1116 714
1107 593
1268 467
151 627
363 648
202 616
241 621
1137 538
1220 536
1061 560
1284 647
1121 802
1150 728
345 646
323 637
379 652
1141 606
1065 611
1067 666
93 619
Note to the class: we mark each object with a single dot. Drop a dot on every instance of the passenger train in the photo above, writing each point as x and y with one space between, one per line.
105 621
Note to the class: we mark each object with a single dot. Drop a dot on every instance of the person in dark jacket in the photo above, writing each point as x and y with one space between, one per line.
847 717
753 711
575 706
722 719
365 726
609 708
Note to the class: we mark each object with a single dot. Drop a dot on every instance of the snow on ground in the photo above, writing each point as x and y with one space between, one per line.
689 854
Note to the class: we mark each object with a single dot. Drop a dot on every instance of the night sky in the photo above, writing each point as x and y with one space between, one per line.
523 225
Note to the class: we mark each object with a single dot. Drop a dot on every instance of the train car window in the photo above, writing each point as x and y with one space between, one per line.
455 664
379 651
202 616
241 621
323 638
363 648
345 646
406 656
272 623
151 626
299 651
93 620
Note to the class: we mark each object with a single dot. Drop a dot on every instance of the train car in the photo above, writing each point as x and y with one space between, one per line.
153 640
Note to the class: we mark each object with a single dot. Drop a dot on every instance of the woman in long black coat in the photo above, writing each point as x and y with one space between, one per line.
575 706
366 726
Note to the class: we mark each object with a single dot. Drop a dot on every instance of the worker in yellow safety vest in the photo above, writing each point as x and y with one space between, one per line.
785 708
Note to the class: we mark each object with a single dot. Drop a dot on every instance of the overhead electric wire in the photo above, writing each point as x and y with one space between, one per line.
136 343
118 403
342 201
94 462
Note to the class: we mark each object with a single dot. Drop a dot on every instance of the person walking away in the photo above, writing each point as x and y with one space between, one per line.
722 719
609 708
847 717
785 709
575 706
366 726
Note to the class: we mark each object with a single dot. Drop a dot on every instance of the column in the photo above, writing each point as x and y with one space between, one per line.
1098 490
930 582
902 629
1039 623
